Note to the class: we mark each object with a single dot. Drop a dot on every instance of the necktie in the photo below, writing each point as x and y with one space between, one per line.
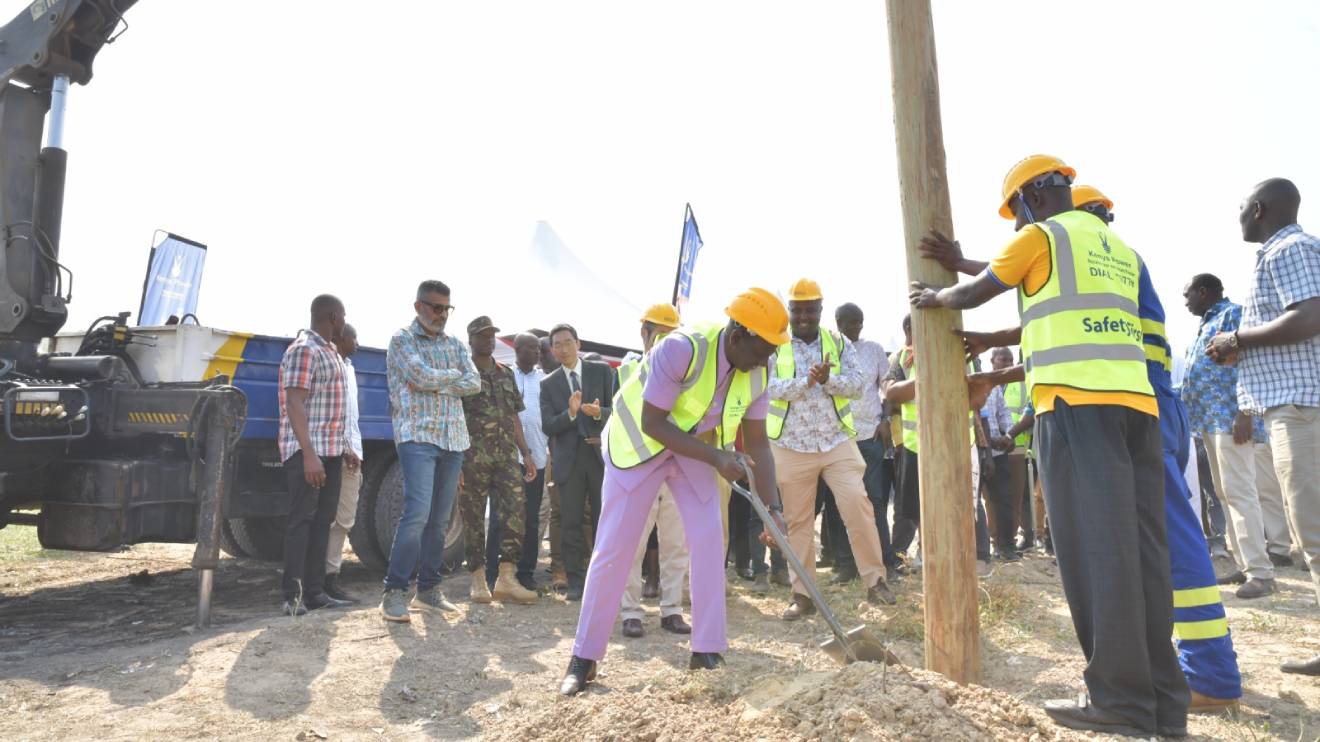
573 381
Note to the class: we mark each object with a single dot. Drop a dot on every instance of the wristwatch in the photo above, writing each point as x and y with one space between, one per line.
1234 344
777 507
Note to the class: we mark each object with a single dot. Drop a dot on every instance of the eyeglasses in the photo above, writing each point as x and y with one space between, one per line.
438 308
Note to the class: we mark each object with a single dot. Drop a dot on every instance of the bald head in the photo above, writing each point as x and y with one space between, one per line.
328 316
1272 205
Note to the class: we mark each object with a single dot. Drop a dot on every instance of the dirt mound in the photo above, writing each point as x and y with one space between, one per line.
859 702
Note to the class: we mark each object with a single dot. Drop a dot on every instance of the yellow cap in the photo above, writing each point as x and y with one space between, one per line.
1085 194
761 312
1027 170
804 290
664 315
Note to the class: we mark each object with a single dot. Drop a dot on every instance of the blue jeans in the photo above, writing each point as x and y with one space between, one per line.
430 479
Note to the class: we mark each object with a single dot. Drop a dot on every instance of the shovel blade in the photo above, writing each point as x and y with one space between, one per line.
864 645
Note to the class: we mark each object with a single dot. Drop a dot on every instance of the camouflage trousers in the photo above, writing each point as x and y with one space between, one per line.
500 480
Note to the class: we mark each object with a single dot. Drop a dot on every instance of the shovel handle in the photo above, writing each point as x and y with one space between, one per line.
793 561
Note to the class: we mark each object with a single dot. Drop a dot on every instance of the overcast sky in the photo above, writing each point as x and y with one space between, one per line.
357 148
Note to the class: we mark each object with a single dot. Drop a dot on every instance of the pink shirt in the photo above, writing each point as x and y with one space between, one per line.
669 362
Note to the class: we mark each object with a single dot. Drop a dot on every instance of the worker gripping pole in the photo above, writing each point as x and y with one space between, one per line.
947 540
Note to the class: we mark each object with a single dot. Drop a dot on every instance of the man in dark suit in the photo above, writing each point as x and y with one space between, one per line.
574 426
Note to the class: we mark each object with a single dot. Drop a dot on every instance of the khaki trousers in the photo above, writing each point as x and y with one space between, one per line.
1295 439
842 467
1246 482
349 486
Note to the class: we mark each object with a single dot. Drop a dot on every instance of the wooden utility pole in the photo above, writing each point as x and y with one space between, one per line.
953 646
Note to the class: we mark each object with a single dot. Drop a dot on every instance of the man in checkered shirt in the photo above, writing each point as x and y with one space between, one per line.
313 447
1277 350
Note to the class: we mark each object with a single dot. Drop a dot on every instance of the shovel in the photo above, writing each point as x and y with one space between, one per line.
846 647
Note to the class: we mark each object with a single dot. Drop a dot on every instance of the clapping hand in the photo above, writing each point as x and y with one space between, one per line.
591 408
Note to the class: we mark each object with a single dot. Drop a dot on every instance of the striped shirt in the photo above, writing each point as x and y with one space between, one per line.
428 376
312 363
1287 273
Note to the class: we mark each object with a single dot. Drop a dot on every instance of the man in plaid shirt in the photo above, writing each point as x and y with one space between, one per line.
1277 351
312 442
429 371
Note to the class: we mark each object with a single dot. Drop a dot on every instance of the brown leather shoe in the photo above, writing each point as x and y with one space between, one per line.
880 594
1202 704
558 579
675 624
632 628
801 606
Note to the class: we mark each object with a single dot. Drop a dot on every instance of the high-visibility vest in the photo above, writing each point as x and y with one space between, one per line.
831 346
1016 399
1082 328
907 412
629 367
628 446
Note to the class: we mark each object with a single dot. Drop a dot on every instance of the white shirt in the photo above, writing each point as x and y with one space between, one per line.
866 409
530 417
351 409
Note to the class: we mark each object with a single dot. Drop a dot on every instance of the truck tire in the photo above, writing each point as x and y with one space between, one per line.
230 544
363 535
259 538
380 508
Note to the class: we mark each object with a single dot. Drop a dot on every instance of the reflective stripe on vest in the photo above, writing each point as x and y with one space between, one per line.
1015 398
908 413
1082 329
831 346
1157 347
628 446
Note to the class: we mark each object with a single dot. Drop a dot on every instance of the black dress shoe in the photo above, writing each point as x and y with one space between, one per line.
580 673
705 661
675 624
1232 578
1303 667
321 600
528 582
574 593
1281 560
632 628
1085 717
844 576
333 590
291 610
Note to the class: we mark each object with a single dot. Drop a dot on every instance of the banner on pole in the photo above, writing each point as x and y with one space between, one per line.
174 280
687 260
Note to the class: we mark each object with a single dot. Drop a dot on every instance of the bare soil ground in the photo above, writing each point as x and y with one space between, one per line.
101 647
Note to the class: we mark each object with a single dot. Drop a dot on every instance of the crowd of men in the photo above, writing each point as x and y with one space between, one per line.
1079 444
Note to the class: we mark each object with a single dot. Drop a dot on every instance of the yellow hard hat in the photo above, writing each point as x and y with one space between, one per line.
664 315
1085 194
804 290
761 312
1027 170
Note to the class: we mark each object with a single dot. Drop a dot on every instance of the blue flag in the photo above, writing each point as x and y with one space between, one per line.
687 259
174 280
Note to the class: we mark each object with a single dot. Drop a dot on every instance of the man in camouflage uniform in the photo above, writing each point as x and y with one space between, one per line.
491 470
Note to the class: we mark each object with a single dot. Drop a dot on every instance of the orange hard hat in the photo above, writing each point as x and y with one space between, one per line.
664 315
761 312
1085 194
804 290
1025 171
